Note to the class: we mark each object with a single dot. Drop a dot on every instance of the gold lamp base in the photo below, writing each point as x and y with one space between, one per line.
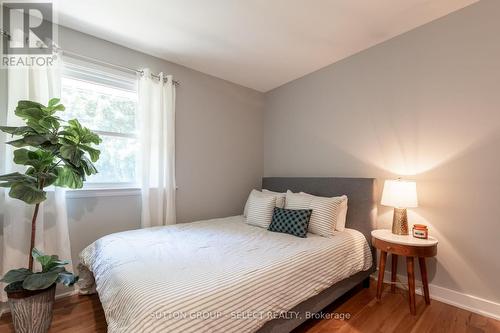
400 222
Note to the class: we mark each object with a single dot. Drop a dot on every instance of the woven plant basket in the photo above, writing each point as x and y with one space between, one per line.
32 310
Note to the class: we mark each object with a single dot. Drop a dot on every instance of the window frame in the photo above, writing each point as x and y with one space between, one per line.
96 74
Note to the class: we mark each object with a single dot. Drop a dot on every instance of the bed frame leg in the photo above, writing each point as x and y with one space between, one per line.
366 283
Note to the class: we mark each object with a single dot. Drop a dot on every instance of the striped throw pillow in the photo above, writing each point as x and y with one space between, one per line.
280 199
342 212
325 211
260 210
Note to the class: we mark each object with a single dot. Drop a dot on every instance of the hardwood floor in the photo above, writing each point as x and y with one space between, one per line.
392 314
83 314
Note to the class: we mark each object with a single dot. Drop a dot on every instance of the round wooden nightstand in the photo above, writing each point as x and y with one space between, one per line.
409 247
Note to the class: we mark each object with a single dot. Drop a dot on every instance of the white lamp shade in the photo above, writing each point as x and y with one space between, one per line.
400 194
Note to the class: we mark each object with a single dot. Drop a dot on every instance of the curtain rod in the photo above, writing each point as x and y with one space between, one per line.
7 35
95 60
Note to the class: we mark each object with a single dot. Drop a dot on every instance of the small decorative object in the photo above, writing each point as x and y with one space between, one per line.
56 153
399 194
420 231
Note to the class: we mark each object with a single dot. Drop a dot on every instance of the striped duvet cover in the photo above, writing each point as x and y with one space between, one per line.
218 275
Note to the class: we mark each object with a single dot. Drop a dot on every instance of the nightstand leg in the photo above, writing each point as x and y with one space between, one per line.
381 268
425 281
394 272
411 284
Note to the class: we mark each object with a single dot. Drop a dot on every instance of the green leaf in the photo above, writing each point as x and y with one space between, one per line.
29 140
22 156
68 177
8 129
74 123
35 140
83 135
33 124
59 107
39 159
15 275
54 108
28 104
68 140
15 178
51 148
18 177
48 178
17 143
38 281
49 123
28 193
57 264
88 166
93 153
72 153
16 130
45 261
30 113
90 137
54 101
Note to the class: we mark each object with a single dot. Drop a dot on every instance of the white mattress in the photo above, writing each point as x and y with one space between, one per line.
218 275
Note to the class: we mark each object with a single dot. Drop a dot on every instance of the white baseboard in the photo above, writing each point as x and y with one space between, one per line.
460 300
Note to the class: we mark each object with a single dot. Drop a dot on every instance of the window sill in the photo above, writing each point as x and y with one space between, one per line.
103 192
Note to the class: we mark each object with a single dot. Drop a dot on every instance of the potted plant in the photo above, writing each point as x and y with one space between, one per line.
56 153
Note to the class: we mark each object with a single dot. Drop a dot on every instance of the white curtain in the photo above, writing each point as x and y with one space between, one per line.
37 84
157 167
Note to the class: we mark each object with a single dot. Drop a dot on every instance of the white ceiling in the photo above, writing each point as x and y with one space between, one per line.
260 44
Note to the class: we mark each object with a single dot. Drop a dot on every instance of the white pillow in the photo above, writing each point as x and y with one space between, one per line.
280 199
340 225
341 218
325 211
260 210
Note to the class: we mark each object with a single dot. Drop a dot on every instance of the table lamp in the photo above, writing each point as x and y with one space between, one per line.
400 194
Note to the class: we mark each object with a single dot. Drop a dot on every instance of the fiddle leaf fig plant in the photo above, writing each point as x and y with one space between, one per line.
54 152
53 271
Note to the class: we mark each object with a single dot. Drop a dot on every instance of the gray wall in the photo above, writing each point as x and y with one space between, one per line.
424 104
219 150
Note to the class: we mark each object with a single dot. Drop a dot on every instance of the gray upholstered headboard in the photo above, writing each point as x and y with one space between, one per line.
360 191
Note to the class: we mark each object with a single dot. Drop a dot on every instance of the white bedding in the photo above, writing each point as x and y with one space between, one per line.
219 275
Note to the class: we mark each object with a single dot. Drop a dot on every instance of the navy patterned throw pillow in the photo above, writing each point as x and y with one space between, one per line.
291 221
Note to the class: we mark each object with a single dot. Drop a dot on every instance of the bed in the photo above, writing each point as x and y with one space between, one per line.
223 275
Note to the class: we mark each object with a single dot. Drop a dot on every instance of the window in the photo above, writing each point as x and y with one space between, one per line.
107 104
